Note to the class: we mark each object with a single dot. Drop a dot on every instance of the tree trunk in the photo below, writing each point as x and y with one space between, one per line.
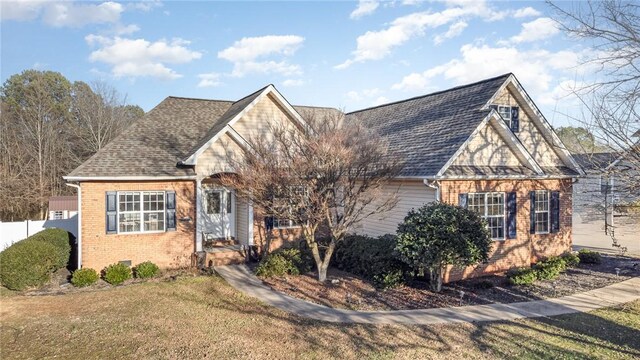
435 278
322 263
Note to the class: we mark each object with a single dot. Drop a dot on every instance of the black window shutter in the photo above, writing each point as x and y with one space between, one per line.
268 223
111 205
511 215
532 214
515 119
463 200
555 211
170 207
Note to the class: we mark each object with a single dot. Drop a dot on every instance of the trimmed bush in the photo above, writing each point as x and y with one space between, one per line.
589 257
146 270
550 269
522 276
283 262
570 259
29 263
84 277
58 238
372 258
116 274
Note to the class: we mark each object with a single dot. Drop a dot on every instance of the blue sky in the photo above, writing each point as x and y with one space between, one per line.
348 55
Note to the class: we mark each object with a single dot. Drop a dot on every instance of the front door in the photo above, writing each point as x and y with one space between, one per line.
219 208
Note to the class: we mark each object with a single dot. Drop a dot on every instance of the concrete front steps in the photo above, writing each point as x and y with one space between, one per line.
224 252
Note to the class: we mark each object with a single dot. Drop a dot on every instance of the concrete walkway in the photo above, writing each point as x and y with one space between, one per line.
241 278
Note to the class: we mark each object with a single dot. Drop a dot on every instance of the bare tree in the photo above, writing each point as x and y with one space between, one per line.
610 94
327 177
99 113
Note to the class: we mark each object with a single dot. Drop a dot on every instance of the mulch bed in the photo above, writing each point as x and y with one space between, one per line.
346 291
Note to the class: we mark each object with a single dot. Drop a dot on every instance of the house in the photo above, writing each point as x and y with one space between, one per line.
62 207
152 193
606 202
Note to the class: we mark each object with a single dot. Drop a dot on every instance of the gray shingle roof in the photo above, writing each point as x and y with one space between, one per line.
426 131
166 135
469 170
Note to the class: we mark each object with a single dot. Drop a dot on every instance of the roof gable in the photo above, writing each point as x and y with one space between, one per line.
491 150
235 112
544 131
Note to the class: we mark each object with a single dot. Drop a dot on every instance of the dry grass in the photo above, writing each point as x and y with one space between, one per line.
202 317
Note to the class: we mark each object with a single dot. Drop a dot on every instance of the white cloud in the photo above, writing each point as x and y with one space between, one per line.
78 15
538 29
62 13
536 68
139 57
526 12
365 94
565 91
375 45
379 101
365 7
209 80
454 30
146 5
293 82
244 55
21 10
120 29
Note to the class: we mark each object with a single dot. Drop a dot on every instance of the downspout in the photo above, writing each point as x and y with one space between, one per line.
79 237
434 185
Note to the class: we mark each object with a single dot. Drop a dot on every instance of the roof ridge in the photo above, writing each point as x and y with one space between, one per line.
432 94
198 99
253 93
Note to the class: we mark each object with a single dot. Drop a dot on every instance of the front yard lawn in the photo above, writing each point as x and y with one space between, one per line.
203 317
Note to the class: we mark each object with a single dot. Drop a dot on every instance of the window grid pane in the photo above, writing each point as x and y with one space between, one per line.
141 211
490 206
541 211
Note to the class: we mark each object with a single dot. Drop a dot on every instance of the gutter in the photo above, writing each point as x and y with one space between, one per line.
434 185
79 237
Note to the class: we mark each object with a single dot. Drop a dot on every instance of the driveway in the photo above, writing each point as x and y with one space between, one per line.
590 234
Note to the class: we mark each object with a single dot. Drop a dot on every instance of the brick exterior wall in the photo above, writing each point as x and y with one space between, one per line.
526 248
170 249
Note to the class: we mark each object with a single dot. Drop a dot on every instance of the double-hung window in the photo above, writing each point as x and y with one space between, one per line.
141 211
505 112
491 207
541 211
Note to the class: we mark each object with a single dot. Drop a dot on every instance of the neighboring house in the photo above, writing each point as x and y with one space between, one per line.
62 207
605 202
152 193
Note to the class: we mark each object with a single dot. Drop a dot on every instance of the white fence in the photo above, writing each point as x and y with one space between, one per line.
11 232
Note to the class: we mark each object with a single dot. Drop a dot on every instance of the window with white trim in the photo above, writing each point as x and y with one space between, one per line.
288 205
141 211
505 112
491 207
58 215
541 211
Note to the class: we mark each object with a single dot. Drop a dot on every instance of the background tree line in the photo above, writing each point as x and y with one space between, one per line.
48 127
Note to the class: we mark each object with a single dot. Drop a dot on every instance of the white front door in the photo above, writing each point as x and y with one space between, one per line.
219 213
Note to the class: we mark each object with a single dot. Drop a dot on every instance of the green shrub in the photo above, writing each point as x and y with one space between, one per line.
30 262
589 257
372 258
116 274
84 277
280 263
58 238
437 235
550 268
146 270
570 259
522 276
27 264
